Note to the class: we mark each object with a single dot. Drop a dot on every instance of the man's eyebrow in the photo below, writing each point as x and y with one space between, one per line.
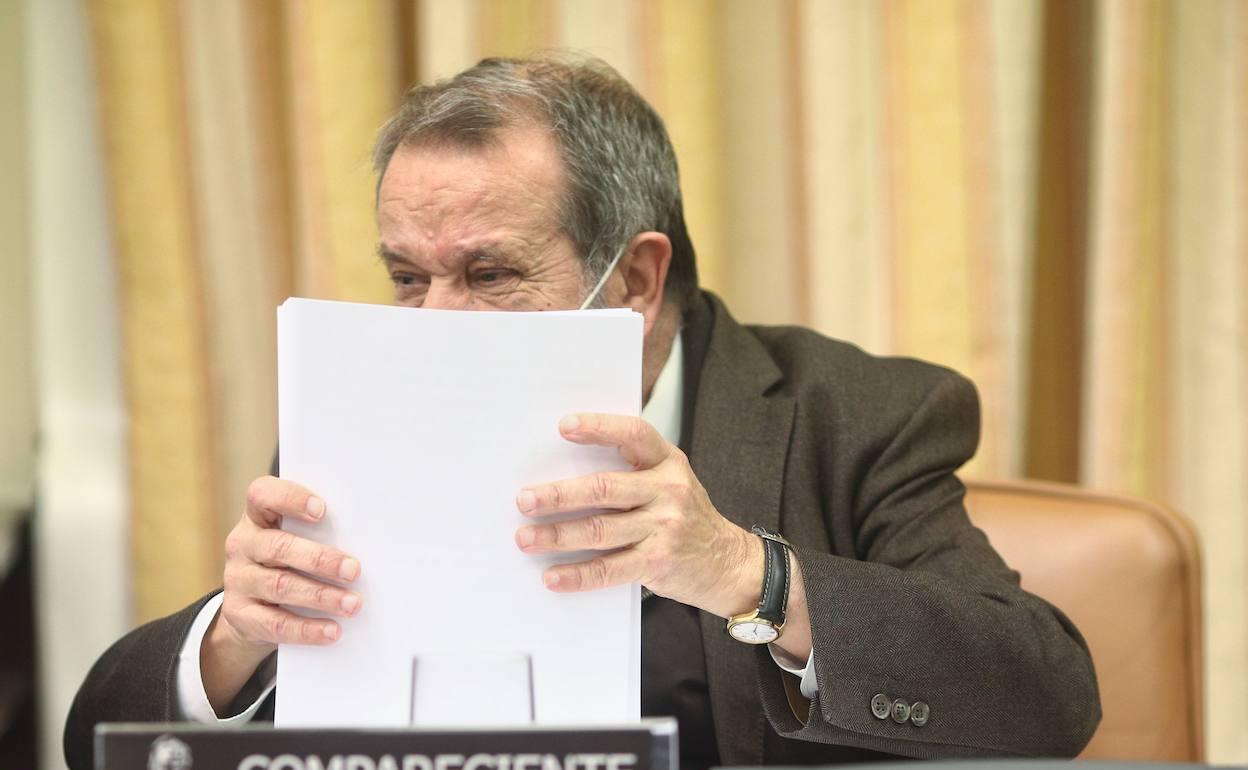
485 254
488 252
389 257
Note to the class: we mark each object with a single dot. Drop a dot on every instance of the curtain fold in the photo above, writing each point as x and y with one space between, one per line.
1049 197
175 526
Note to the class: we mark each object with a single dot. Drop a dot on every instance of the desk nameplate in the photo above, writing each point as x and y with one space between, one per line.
650 744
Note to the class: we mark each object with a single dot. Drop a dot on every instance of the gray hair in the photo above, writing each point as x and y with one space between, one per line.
620 173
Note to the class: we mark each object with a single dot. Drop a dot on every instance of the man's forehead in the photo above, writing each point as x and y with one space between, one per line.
479 220
454 204
432 183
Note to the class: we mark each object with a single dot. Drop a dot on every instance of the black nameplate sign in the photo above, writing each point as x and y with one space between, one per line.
647 745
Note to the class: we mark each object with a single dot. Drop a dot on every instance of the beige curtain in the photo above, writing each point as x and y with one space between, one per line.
1049 197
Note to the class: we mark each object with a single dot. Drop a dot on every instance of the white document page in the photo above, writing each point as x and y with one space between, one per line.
418 428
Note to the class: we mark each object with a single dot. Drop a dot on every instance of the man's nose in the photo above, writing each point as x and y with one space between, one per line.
447 295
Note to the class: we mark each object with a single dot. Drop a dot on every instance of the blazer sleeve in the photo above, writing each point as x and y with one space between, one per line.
134 681
929 612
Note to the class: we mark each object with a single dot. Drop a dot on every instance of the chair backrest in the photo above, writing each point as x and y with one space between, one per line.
1127 572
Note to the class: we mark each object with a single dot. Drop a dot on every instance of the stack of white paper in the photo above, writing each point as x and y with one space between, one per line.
418 428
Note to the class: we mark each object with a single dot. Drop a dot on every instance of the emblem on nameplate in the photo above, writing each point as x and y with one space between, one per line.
169 753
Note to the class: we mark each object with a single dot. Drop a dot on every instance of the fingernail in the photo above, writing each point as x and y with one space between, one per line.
569 423
550 579
349 569
526 501
315 507
525 537
331 632
350 603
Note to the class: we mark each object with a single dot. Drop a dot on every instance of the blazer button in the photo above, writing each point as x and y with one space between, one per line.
881 706
901 711
919 712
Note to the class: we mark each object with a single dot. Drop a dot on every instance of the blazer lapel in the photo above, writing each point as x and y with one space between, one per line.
739 444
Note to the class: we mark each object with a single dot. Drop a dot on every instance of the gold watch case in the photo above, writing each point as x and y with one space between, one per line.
748 627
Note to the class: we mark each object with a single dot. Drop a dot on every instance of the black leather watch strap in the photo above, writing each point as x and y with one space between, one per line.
775 596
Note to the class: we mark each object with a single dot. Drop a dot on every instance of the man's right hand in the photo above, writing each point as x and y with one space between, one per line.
266 567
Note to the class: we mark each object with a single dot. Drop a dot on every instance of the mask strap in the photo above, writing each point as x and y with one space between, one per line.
603 280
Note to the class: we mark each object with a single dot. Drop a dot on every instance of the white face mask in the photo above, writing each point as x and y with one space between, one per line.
602 281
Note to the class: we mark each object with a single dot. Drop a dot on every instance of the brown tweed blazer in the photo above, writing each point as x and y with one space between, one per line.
852 458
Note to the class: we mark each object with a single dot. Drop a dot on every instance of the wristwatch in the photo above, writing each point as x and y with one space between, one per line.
764 624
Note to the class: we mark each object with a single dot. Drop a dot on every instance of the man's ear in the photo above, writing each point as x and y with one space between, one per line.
644 272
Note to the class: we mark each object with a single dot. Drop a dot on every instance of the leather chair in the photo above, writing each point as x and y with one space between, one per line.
1127 572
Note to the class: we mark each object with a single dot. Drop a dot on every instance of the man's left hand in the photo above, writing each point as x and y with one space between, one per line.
657 524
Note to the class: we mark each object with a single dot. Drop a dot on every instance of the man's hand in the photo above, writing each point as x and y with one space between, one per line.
659 527
266 567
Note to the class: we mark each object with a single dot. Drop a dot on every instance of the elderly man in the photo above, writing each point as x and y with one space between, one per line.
889 626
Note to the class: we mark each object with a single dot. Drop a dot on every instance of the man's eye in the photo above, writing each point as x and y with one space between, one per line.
494 276
402 279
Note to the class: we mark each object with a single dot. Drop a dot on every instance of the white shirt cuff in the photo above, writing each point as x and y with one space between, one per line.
809 685
192 700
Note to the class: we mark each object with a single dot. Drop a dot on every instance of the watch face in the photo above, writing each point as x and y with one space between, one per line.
753 632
